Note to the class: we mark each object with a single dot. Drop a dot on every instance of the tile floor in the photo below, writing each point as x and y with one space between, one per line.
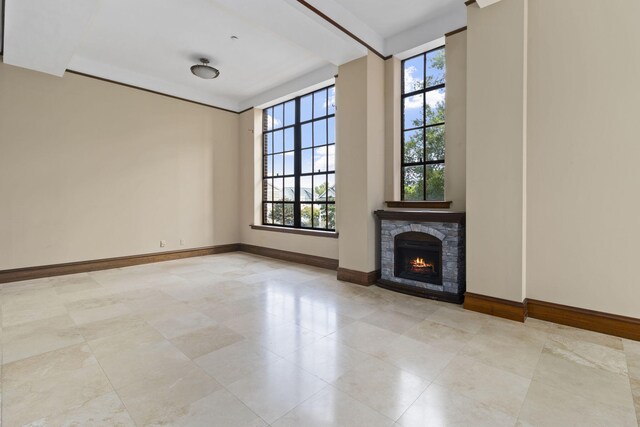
238 340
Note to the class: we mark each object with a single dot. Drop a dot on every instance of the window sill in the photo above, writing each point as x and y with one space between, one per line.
304 232
419 204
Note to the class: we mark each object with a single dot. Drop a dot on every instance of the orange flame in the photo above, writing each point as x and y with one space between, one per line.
419 263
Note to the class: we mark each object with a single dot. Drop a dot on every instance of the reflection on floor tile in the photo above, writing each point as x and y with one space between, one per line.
239 340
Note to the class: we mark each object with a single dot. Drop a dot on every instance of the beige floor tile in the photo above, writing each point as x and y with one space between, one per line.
74 283
153 400
31 295
364 337
309 313
547 406
146 299
576 334
99 313
236 361
573 377
158 314
632 353
91 303
382 386
286 339
588 354
254 323
348 307
498 389
328 359
25 286
21 313
221 312
103 411
51 384
33 338
112 326
440 335
219 409
182 324
138 356
416 357
332 407
465 320
391 321
87 294
441 407
414 307
128 340
515 353
275 390
635 392
206 340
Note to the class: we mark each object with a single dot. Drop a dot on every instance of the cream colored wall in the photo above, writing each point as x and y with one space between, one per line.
375 157
495 149
90 170
583 151
456 121
392 94
360 159
251 198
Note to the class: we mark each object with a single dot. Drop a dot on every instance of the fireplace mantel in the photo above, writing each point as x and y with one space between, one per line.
426 215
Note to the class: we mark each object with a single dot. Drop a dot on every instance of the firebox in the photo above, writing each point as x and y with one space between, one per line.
418 256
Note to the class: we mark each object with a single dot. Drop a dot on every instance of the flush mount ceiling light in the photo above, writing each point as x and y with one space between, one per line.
205 71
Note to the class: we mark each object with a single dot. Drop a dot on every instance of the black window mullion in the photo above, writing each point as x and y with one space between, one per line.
297 160
424 130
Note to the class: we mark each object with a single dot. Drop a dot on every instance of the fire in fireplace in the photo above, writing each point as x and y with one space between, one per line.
419 266
418 256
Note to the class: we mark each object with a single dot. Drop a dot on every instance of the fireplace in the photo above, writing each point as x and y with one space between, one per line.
422 253
418 256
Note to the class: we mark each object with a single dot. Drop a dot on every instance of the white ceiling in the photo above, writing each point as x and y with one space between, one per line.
283 46
405 14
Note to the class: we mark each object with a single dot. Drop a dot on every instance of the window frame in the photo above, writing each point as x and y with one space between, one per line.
424 163
297 151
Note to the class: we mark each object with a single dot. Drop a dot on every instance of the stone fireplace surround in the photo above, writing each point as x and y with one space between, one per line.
447 226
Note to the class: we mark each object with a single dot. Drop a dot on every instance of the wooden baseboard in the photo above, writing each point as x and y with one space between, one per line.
38 272
597 321
506 309
611 324
315 261
358 277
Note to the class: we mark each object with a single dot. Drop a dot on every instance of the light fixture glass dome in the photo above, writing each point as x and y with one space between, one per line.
205 71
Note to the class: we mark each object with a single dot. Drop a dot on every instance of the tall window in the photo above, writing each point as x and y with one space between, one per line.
299 184
423 105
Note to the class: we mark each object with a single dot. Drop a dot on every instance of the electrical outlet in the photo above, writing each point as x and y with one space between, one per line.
163 243
181 242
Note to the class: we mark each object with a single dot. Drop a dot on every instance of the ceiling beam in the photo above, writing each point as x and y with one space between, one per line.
349 25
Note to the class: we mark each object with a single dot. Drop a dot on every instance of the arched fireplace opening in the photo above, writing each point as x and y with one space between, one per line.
418 256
